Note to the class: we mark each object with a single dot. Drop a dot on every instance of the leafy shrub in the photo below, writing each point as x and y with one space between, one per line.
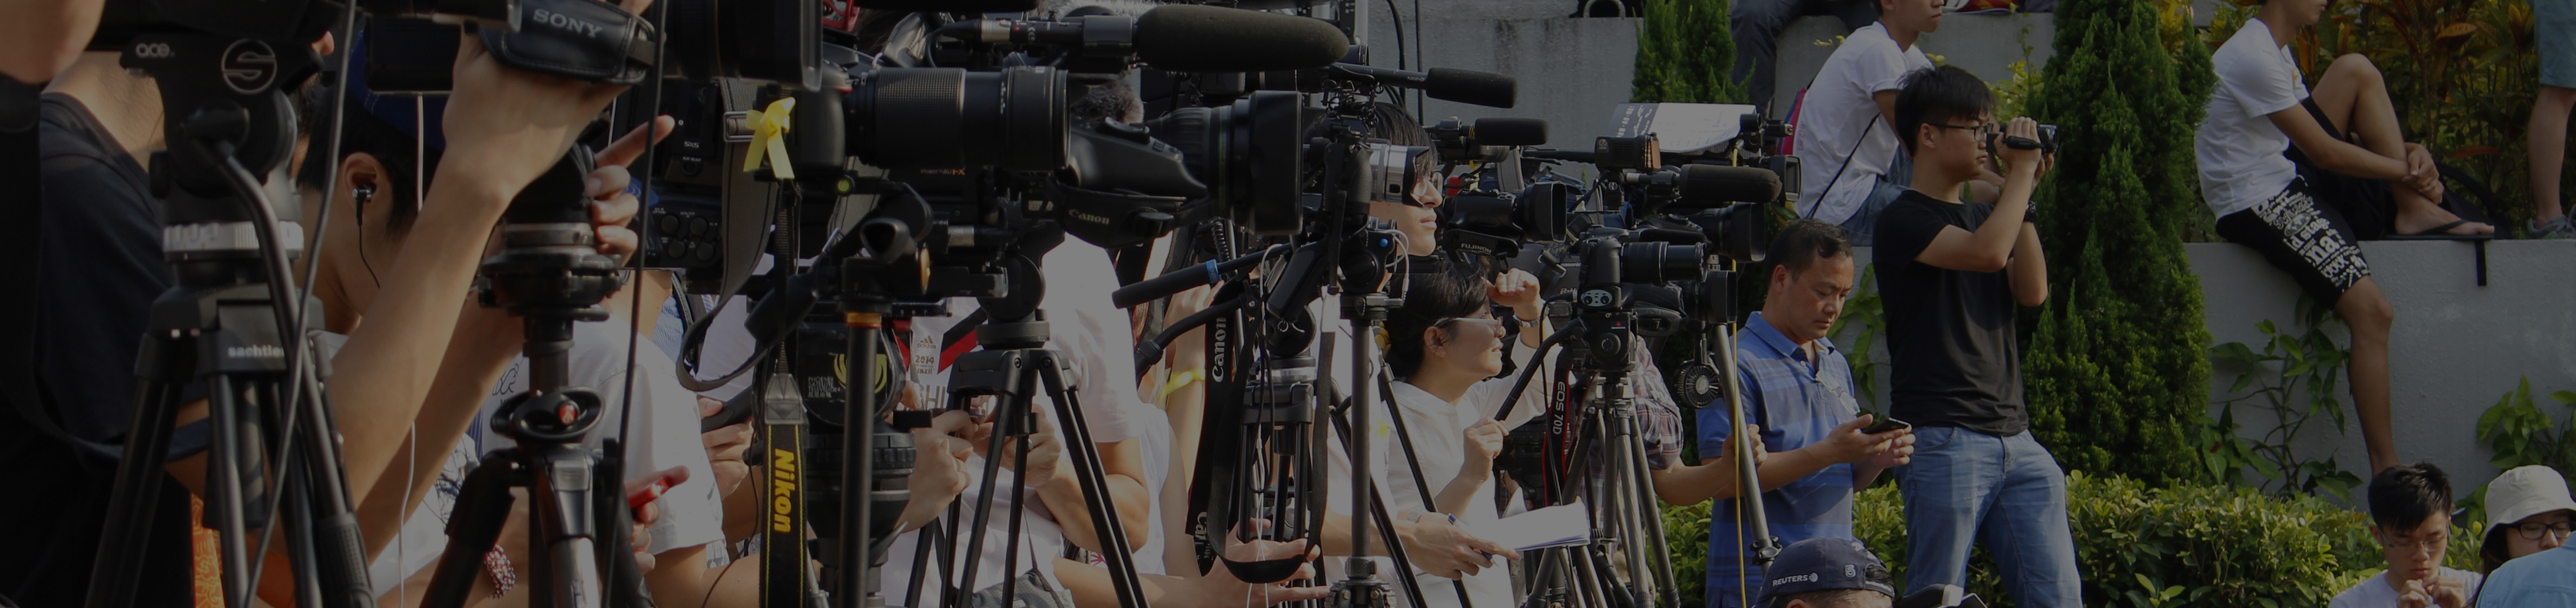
1684 53
2139 546
2294 378
2115 369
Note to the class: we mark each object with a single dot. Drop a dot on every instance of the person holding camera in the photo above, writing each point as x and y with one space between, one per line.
1800 389
1845 122
2410 517
1950 273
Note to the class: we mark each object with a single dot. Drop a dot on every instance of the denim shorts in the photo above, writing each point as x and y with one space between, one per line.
2554 24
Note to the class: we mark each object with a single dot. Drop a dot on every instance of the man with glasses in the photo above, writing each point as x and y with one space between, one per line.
2410 514
1950 272
1798 389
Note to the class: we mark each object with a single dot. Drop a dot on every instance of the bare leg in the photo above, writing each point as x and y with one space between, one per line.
2368 312
2355 97
2548 144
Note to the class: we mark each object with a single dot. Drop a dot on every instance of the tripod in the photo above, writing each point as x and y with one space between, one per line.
549 273
231 323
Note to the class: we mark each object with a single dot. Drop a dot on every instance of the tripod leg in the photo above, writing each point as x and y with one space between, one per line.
957 596
337 545
224 487
138 485
1093 479
299 538
482 506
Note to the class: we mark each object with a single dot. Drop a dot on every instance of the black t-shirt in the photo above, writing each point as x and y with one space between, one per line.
98 269
1950 333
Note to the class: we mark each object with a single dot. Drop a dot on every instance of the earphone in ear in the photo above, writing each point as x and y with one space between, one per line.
361 193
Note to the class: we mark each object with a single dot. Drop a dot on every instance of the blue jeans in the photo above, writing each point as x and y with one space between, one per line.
1964 486
1862 226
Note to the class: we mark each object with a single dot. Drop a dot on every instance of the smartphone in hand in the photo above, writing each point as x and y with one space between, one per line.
1885 424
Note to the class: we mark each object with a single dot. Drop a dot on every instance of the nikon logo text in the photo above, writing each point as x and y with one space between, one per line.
566 22
264 351
782 490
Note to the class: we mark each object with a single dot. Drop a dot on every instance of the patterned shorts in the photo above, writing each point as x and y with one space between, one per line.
2312 242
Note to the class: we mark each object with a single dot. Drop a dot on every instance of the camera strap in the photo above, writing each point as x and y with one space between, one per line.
578 39
1838 171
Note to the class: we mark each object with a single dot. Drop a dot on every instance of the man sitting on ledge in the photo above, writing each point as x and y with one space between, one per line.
2301 178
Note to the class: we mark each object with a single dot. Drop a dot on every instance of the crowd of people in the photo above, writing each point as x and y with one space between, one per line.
1907 159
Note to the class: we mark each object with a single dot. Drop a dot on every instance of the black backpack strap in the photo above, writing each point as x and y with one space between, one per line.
22 196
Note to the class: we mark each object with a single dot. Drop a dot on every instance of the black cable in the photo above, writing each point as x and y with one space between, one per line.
1553 340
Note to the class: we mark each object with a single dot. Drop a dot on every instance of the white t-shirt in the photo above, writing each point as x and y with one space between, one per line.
2375 593
691 513
1091 336
1439 430
1839 107
2238 146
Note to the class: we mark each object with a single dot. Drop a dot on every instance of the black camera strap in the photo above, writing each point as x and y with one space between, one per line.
1838 171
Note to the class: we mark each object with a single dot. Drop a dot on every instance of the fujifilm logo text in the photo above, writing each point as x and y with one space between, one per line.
567 22
264 351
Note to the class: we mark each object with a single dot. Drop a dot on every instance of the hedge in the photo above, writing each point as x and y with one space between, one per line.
2135 545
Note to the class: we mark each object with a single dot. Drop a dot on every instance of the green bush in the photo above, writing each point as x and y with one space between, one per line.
2116 367
1684 52
2140 546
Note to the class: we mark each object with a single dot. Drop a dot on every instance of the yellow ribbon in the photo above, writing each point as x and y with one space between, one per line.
768 130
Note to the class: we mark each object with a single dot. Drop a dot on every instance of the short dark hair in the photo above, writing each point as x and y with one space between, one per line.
1455 291
362 131
2402 496
1805 241
1938 94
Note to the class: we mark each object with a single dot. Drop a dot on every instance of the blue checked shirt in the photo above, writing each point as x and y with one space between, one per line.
1797 404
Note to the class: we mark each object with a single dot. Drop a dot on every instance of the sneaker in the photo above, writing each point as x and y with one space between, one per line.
2561 228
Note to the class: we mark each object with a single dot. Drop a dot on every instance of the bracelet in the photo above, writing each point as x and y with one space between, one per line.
1180 379
504 576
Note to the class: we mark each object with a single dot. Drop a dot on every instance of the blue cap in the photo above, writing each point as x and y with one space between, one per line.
1824 564
396 110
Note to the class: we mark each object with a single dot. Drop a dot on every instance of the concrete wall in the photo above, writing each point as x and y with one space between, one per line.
2456 347
1572 72
1985 45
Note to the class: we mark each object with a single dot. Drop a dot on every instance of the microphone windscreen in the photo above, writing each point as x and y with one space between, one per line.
1511 131
1188 38
952 6
1471 87
1718 183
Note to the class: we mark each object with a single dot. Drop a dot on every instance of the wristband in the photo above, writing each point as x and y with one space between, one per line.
1181 379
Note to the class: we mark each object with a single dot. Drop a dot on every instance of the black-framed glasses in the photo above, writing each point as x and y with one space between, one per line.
2533 530
1981 131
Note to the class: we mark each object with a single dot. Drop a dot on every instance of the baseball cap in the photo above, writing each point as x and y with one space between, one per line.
1824 564
2523 492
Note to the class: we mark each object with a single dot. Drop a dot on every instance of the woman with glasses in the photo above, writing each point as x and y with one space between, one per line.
2531 513
1444 348
2527 556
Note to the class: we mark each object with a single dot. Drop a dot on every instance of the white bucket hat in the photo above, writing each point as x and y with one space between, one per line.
2523 492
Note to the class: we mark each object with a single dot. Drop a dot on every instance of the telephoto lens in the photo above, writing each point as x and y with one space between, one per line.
950 118
1250 154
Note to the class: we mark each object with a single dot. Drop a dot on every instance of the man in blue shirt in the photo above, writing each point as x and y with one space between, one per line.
2538 580
1799 391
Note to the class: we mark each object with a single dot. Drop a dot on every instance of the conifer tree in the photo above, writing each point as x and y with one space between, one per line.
2117 366
1684 53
